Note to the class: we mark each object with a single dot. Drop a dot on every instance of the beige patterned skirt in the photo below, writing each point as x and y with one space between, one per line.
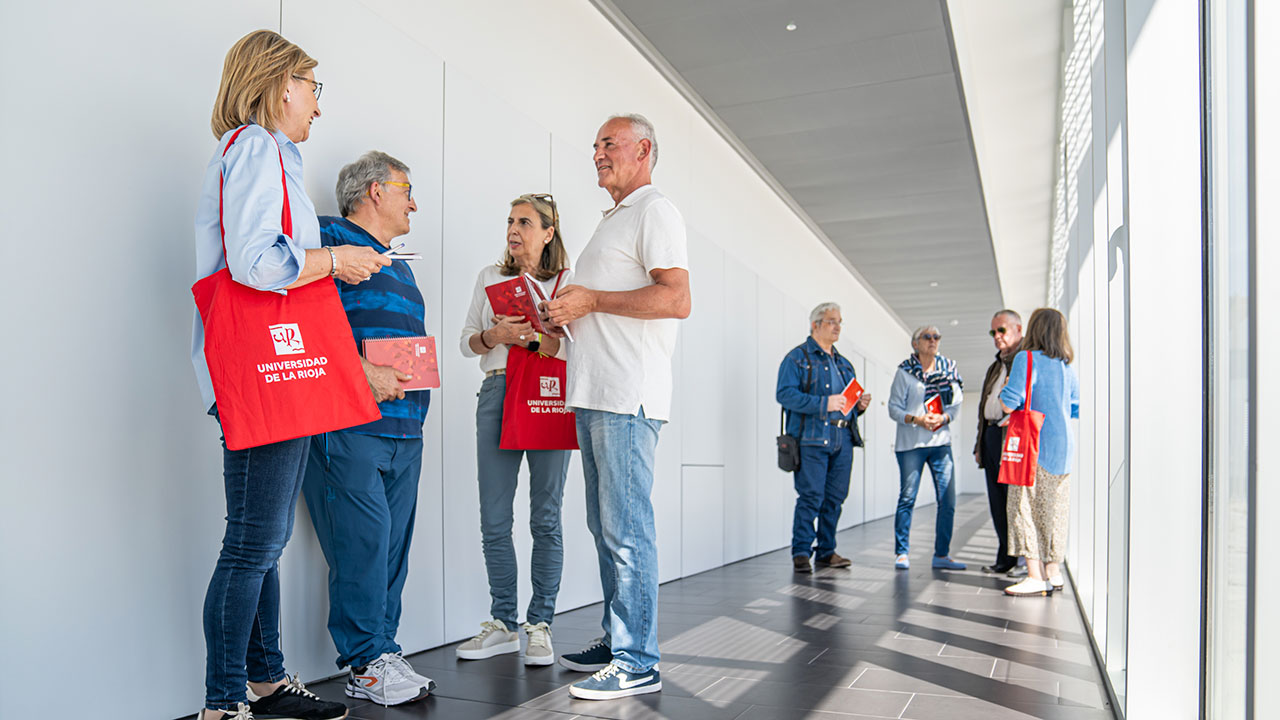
1038 517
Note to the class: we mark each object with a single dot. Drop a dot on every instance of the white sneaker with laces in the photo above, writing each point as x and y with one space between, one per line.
385 682
539 650
407 669
493 639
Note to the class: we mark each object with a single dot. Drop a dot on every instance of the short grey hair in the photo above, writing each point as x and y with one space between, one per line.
1010 313
819 312
922 330
643 130
354 180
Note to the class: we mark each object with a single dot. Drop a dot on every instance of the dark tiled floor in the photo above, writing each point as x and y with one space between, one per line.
754 641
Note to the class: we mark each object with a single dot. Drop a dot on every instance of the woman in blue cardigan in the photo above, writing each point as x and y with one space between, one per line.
1039 514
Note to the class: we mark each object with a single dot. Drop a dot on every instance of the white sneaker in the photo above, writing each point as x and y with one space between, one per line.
539 651
1030 586
1056 582
493 639
407 669
385 682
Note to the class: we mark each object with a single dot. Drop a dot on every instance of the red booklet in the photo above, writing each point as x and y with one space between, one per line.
413 355
516 297
852 392
933 404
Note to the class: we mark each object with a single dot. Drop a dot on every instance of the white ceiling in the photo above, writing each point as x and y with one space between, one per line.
857 118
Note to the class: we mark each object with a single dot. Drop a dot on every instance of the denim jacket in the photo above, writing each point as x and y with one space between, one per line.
804 391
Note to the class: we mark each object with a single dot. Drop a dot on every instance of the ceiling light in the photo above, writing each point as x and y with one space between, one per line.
791 26
955 323
933 284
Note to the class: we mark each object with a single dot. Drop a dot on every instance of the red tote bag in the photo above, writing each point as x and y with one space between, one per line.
534 416
1021 446
282 366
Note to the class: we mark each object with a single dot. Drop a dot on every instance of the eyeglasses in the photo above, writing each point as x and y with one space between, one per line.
407 186
548 199
930 336
1001 330
318 86
833 322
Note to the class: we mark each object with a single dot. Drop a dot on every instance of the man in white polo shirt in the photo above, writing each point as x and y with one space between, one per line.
631 287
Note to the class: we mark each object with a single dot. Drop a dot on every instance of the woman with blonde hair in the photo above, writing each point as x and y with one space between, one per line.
1039 514
265 105
533 246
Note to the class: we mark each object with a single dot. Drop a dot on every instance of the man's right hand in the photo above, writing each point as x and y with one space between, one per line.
835 403
384 381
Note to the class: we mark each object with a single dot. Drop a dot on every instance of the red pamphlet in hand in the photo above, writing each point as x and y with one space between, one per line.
852 393
514 298
415 356
933 404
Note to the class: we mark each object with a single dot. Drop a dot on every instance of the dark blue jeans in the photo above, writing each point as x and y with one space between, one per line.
910 467
822 484
362 495
242 605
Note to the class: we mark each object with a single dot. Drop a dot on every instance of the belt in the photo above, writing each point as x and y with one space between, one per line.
991 423
499 371
841 423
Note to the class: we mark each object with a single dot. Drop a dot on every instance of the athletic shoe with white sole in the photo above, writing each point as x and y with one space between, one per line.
241 712
407 669
614 682
902 562
386 682
1056 582
1030 586
293 701
493 639
538 651
592 658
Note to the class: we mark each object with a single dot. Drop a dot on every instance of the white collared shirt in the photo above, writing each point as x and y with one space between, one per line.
620 364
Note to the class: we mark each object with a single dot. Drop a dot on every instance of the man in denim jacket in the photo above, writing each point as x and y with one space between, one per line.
810 382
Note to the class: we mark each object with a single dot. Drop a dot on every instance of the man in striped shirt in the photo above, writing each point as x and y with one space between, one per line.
361 483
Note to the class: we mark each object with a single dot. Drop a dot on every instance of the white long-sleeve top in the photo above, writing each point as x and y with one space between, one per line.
480 317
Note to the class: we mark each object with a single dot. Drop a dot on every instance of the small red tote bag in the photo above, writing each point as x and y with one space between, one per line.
534 415
282 366
1021 446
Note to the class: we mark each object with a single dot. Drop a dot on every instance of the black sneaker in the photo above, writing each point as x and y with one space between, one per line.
592 658
241 712
293 701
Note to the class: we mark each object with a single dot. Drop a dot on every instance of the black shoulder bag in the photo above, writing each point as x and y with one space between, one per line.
789 445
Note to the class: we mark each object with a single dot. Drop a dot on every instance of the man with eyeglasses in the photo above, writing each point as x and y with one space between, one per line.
811 380
1006 332
361 484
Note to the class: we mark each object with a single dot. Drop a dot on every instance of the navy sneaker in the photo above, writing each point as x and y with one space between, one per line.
614 682
590 659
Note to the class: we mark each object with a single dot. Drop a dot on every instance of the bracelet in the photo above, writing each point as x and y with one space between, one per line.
485 344
333 262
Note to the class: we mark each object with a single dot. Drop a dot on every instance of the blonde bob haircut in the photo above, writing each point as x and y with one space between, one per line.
254 76
554 257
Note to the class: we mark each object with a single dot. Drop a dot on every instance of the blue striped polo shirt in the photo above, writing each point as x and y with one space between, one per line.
388 304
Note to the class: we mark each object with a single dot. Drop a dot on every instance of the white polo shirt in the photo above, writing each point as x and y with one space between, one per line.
618 364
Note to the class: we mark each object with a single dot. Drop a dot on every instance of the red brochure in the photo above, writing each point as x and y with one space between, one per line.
852 392
515 297
415 356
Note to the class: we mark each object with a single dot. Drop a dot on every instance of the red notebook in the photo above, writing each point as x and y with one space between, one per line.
413 355
515 297
933 404
852 392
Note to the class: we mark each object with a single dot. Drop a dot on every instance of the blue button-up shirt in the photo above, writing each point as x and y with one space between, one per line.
259 254
803 388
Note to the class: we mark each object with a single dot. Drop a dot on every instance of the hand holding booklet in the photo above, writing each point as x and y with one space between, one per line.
933 404
519 297
852 393
414 356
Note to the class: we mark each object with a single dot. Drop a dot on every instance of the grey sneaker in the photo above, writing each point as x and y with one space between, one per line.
407 669
539 651
1019 571
493 639
385 682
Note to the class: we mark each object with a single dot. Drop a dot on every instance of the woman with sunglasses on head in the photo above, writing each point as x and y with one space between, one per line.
925 396
265 105
533 246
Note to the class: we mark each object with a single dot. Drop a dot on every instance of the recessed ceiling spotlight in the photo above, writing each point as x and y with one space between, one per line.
791 26
955 323
933 284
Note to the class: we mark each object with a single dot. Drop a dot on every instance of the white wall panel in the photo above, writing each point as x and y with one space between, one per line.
703 361
482 177
740 404
666 495
701 524
852 512
775 490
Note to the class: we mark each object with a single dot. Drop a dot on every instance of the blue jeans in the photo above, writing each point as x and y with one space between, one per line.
242 604
822 484
910 467
617 463
498 472
362 495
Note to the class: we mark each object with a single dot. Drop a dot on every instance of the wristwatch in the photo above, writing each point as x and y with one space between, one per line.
535 343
